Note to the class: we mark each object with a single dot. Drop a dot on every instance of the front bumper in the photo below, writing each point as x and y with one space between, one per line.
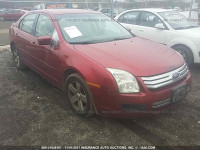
109 102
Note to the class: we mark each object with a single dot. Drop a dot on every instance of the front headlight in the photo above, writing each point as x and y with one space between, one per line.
126 82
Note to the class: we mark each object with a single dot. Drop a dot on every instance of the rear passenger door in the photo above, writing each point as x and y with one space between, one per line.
25 38
130 20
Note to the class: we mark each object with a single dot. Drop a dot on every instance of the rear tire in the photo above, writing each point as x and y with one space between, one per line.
79 95
17 59
186 53
1 19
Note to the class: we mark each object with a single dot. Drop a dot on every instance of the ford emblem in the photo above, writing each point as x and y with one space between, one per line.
175 75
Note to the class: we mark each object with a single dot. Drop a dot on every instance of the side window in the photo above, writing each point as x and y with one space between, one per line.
149 19
16 11
105 10
130 18
27 23
44 26
8 11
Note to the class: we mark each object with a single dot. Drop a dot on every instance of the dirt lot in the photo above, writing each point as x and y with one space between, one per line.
32 112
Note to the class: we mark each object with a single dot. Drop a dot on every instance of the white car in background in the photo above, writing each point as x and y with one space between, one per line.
108 12
168 27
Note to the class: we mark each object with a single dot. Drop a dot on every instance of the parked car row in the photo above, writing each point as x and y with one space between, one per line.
103 68
11 14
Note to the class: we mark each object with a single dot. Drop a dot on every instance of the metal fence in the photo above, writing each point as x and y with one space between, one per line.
118 5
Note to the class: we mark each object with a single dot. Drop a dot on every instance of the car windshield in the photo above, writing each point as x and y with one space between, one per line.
90 28
177 21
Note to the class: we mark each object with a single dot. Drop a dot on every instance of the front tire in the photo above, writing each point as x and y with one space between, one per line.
79 95
17 59
186 53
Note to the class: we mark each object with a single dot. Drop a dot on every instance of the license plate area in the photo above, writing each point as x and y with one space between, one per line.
179 92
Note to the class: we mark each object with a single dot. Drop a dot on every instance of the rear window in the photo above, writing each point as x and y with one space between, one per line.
130 17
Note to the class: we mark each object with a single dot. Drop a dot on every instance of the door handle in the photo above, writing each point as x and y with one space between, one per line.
33 43
141 30
16 35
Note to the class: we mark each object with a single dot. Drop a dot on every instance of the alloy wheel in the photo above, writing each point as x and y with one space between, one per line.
16 58
77 96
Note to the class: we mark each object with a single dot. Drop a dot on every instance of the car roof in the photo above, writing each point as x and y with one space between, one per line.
66 11
154 10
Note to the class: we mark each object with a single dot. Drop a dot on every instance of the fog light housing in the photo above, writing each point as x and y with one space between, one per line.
134 107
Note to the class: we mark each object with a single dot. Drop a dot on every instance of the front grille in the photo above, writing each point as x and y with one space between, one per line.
158 81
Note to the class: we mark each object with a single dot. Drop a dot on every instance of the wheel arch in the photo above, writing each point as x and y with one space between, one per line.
11 46
175 45
68 72
180 45
188 43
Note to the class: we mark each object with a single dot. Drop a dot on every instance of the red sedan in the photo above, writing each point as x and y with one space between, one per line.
12 14
100 66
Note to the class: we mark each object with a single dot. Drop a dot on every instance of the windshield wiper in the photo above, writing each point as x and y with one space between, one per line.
99 41
86 42
118 39
189 27
192 27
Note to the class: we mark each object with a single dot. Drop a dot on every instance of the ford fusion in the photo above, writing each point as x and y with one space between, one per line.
101 67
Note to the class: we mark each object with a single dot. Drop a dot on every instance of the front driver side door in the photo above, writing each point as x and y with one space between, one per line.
47 57
148 30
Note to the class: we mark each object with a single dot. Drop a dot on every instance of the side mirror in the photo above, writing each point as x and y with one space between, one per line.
45 40
128 29
160 26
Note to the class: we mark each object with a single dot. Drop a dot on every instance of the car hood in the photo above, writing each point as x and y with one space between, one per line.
194 32
136 55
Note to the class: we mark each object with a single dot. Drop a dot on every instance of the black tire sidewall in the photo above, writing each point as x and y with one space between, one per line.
188 53
21 64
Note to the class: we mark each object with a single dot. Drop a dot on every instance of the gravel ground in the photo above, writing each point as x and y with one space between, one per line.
34 113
